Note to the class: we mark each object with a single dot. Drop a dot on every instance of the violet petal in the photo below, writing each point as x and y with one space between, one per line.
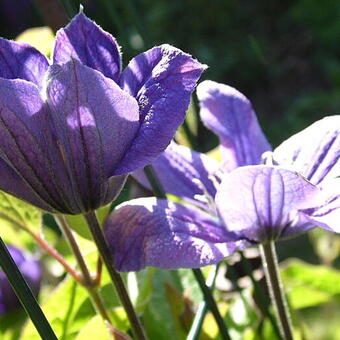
259 202
176 168
230 115
31 271
84 40
314 152
94 122
21 61
23 125
163 234
162 80
327 214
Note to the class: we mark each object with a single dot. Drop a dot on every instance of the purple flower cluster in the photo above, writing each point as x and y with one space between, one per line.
72 131
30 270
254 196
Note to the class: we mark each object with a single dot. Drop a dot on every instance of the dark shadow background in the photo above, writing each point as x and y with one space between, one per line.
284 55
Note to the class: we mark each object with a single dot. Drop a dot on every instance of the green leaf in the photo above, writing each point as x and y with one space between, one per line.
11 324
16 215
79 225
309 285
17 212
158 318
241 315
42 38
94 329
67 309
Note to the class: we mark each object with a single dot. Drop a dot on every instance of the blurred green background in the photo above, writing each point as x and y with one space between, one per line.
283 55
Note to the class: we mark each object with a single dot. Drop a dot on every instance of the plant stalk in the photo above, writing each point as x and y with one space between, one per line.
160 193
45 246
87 280
260 293
196 326
117 280
271 270
212 304
25 294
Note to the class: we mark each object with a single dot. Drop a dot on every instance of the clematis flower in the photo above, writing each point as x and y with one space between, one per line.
31 271
72 131
244 203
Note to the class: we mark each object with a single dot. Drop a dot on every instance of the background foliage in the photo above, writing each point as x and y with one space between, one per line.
285 56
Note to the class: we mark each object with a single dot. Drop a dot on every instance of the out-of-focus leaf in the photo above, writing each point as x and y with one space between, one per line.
67 309
215 153
326 244
10 325
190 285
210 329
17 212
241 315
79 225
16 215
310 285
180 310
189 129
158 318
42 38
94 330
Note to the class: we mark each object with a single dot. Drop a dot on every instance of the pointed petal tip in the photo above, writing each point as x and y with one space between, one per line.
85 40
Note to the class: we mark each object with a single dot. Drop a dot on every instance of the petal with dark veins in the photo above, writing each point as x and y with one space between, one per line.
259 202
177 167
230 115
84 40
314 152
94 121
162 80
22 61
163 234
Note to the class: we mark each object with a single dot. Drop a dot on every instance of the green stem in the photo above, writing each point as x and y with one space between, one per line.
117 280
69 7
87 280
202 308
154 181
272 273
25 294
212 304
160 193
258 289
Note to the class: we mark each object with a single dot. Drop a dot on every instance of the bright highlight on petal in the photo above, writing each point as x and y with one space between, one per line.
163 234
162 80
230 115
71 132
84 40
259 202
314 152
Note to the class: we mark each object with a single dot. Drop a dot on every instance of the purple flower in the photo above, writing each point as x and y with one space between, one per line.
72 131
31 271
240 203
